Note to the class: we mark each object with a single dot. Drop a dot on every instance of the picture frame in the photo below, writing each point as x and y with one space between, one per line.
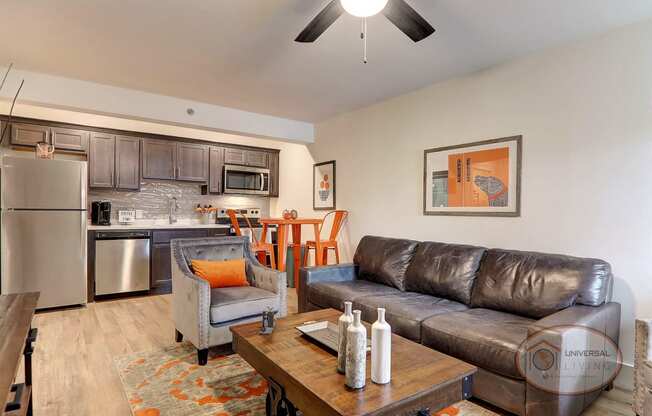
474 179
324 186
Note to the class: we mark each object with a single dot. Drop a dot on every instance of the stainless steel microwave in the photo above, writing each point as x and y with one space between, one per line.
246 180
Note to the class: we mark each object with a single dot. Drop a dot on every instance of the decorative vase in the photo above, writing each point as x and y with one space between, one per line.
381 350
356 353
342 325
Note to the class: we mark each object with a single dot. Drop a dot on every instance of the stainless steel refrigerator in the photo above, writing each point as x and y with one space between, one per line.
43 229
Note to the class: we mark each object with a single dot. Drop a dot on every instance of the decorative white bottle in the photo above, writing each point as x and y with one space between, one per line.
381 350
356 353
342 325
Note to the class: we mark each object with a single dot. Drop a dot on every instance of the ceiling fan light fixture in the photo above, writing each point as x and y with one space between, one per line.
363 8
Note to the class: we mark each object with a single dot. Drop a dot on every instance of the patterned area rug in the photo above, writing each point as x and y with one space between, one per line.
169 382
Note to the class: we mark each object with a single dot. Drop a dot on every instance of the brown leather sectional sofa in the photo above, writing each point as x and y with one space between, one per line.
473 303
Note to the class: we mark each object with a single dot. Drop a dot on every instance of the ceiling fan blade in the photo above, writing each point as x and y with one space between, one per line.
321 22
408 20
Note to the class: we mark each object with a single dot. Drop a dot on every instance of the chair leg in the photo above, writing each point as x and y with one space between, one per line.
202 356
324 256
306 252
337 254
272 258
178 336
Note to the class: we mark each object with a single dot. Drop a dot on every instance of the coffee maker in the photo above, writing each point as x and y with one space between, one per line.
101 213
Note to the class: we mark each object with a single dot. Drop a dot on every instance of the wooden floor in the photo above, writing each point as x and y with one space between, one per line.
73 362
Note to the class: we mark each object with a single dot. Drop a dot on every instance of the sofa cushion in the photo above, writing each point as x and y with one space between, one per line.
405 311
384 260
538 285
234 303
334 294
483 337
446 270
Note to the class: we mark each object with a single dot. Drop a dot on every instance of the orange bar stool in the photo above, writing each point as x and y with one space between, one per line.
261 248
331 243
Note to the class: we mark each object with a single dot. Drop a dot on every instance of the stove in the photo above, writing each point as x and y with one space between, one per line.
253 214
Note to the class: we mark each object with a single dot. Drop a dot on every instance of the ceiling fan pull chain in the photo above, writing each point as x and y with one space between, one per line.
363 36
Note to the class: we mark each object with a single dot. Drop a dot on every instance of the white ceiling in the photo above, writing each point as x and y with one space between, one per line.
241 54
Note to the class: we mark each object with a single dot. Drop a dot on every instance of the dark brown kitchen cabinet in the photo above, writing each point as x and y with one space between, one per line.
161 266
29 134
69 139
256 158
101 161
159 159
234 156
161 277
216 170
192 162
273 174
127 163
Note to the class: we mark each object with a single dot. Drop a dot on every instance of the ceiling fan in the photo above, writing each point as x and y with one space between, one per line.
398 12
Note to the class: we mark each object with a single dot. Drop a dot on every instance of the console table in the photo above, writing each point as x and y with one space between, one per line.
16 338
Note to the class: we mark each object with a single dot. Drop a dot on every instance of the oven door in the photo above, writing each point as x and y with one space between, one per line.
246 180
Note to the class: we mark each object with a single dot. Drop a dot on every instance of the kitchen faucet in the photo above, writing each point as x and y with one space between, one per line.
173 207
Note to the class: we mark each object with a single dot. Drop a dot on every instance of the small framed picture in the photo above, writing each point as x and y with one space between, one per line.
474 179
323 186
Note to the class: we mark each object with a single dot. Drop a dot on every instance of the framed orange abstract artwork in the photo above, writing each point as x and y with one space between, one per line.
323 186
478 179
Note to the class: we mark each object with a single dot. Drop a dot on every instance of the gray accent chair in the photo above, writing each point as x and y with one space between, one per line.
203 315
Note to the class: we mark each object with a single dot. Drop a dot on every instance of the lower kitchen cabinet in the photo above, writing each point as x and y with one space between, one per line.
161 278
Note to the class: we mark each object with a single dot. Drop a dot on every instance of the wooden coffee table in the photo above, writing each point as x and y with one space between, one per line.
302 375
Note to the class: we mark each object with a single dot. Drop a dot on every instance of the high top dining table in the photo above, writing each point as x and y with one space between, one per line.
282 237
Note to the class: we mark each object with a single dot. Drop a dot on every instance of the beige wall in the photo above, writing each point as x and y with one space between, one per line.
585 112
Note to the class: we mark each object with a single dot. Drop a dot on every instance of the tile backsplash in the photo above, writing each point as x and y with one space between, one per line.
154 197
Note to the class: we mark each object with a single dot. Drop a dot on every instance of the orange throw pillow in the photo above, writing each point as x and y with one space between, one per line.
227 273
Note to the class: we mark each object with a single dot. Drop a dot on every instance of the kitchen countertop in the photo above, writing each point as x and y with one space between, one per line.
154 225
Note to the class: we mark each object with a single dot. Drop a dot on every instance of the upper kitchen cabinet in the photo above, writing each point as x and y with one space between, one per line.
215 171
127 163
273 173
159 159
192 162
69 139
73 140
101 161
234 156
29 134
244 157
256 158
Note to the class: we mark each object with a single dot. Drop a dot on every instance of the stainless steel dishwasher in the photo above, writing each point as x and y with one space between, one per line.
121 261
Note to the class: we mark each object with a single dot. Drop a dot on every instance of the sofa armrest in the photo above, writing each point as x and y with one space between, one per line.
604 318
335 273
191 302
575 371
272 281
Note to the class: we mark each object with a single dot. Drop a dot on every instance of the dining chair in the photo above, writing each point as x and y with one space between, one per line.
260 247
331 243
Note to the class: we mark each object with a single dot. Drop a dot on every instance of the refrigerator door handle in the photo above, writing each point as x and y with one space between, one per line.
82 252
